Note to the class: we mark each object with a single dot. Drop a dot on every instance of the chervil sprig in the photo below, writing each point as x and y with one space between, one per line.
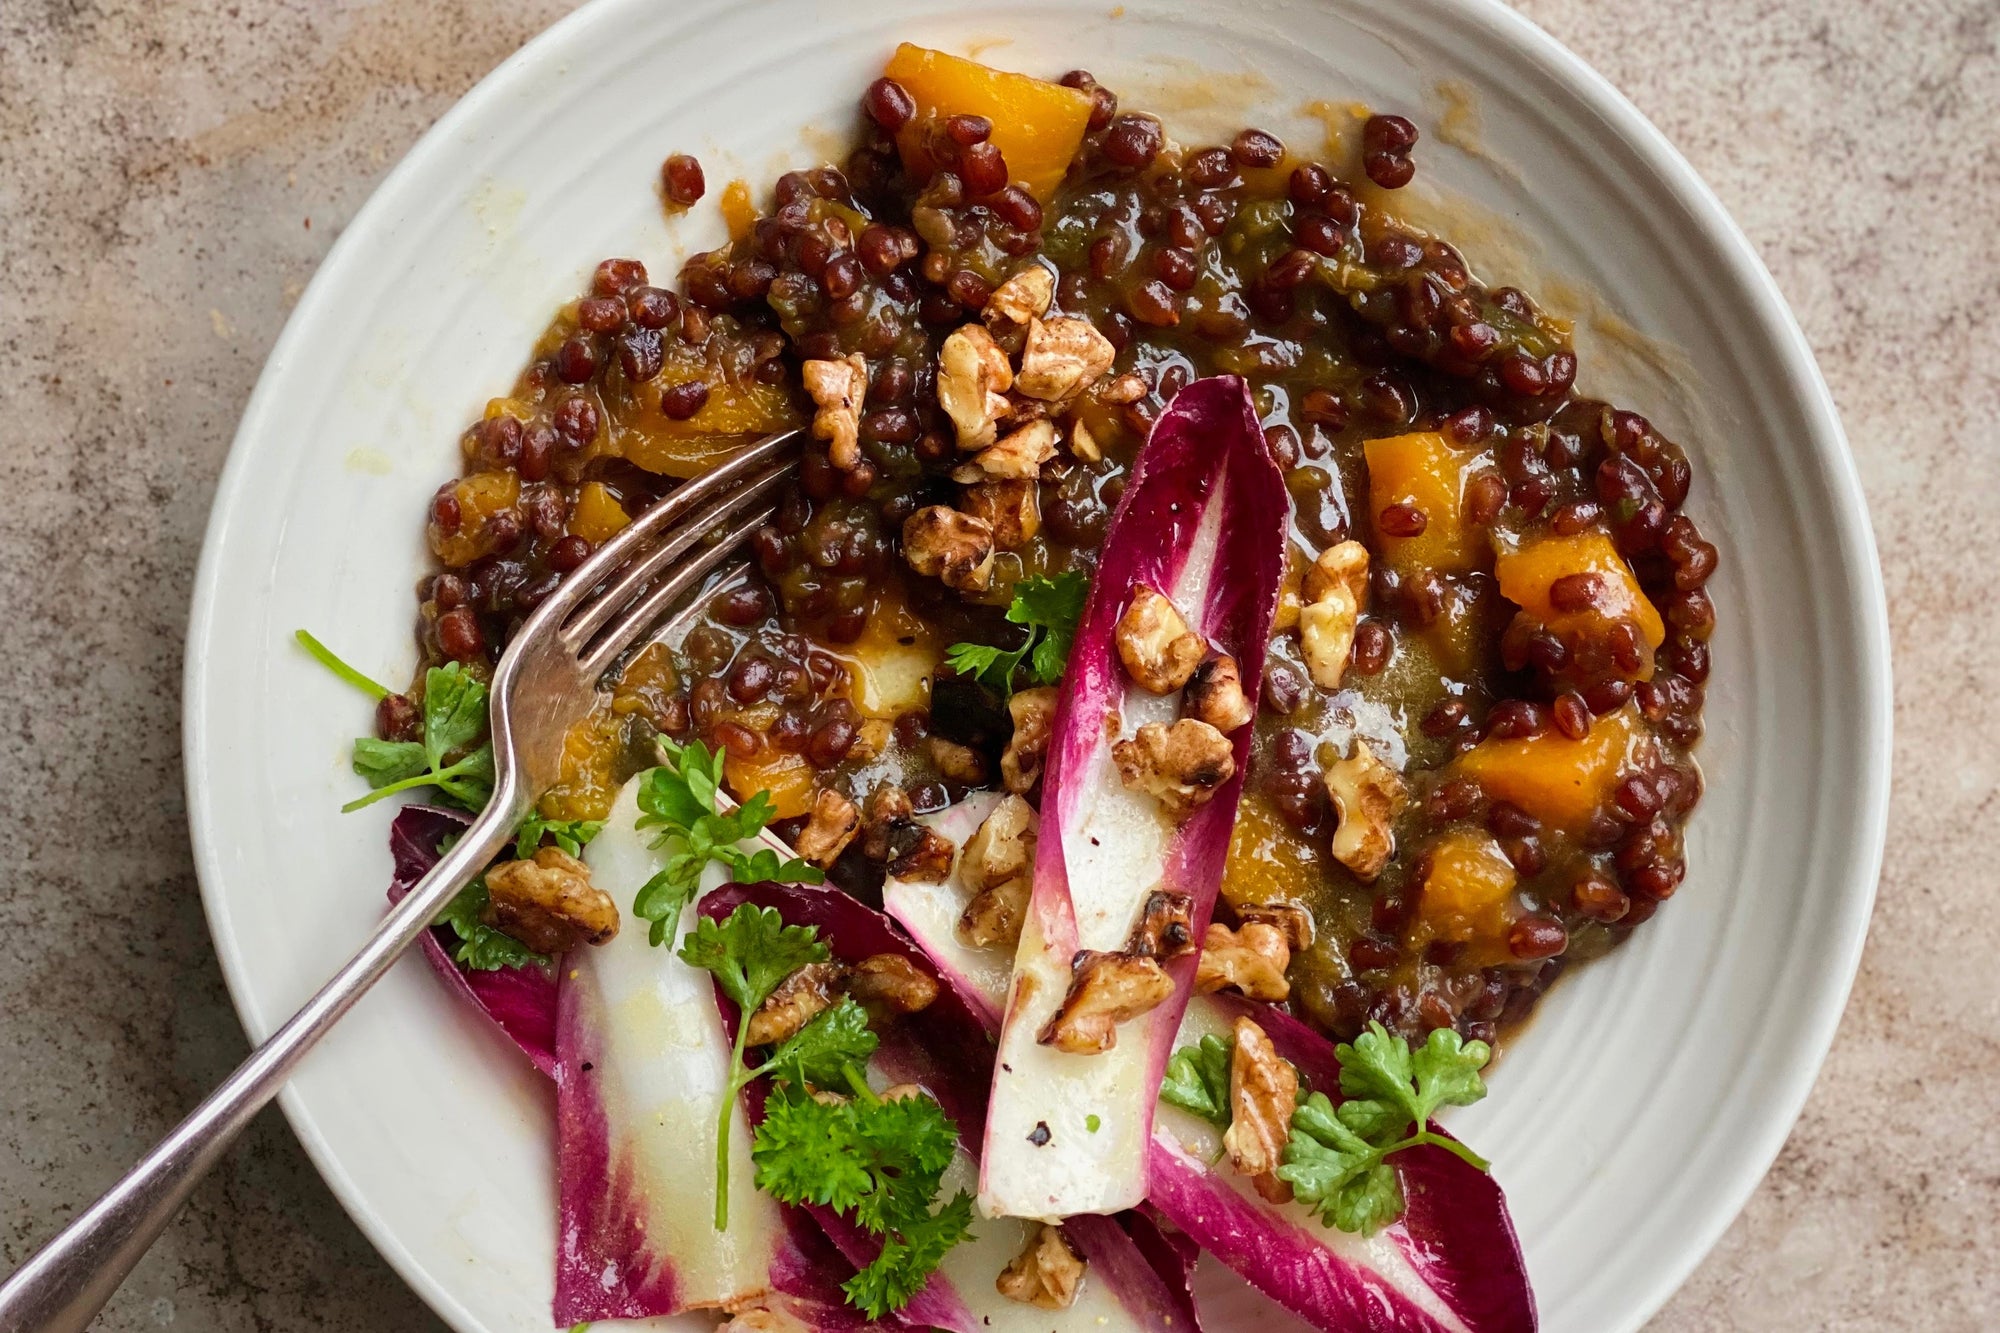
1050 609
454 724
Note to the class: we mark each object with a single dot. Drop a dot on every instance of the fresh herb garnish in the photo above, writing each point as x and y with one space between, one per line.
680 799
454 723
1050 609
1197 1080
1335 1160
480 946
568 834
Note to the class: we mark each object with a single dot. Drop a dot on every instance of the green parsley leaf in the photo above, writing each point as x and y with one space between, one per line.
1197 1080
1050 609
679 799
329 659
801 1156
1335 1160
568 834
480 946
819 1053
908 1258
454 711
385 762
751 952
454 718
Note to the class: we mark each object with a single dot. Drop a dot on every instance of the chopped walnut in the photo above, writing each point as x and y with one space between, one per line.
1013 509
950 546
549 903
995 915
1105 989
1289 919
956 763
1263 1092
972 378
888 822
888 984
1182 764
792 1005
1002 847
1127 388
833 824
1062 357
1367 796
1046 1274
1019 456
1155 644
1023 297
870 739
927 861
1165 928
1214 695
1333 594
1251 959
1082 444
901 1092
839 387
1033 712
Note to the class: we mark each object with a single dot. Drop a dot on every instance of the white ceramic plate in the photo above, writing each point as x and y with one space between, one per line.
1633 1119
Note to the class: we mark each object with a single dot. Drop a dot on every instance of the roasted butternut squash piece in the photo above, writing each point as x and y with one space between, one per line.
1036 125
1422 472
1468 894
598 516
1526 577
480 496
787 777
1559 781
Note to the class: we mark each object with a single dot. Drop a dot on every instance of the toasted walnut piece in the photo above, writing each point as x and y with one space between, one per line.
1046 1274
1002 847
1181 765
1263 1091
927 861
1165 928
1290 920
1127 388
549 903
957 763
792 1005
1334 591
1251 959
972 377
1155 644
1062 357
1344 564
1019 456
888 984
950 546
839 387
1105 989
1214 695
901 1092
994 916
1013 509
1082 444
833 824
870 739
1367 796
888 823
1023 297
1033 712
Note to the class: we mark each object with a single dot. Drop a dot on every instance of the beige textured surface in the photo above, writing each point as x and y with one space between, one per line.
170 173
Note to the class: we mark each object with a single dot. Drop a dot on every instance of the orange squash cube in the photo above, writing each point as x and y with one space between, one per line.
597 516
1526 576
1422 471
1559 781
1468 894
787 777
1037 125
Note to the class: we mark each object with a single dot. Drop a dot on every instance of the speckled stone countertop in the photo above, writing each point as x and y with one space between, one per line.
171 173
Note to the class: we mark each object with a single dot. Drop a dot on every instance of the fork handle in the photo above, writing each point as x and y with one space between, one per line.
69 1279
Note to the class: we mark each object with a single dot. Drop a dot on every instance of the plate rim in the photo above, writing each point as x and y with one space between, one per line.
1776 327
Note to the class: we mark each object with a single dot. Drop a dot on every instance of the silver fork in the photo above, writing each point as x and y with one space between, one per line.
545 682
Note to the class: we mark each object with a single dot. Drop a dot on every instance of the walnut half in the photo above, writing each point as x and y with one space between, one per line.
1154 642
1033 713
1334 592
1263 1092
972 378
1214 695
549 903
833 824
1182 764
1367 796
1105 989
839 388
794 1003
1047 1272
953 547
1251 959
